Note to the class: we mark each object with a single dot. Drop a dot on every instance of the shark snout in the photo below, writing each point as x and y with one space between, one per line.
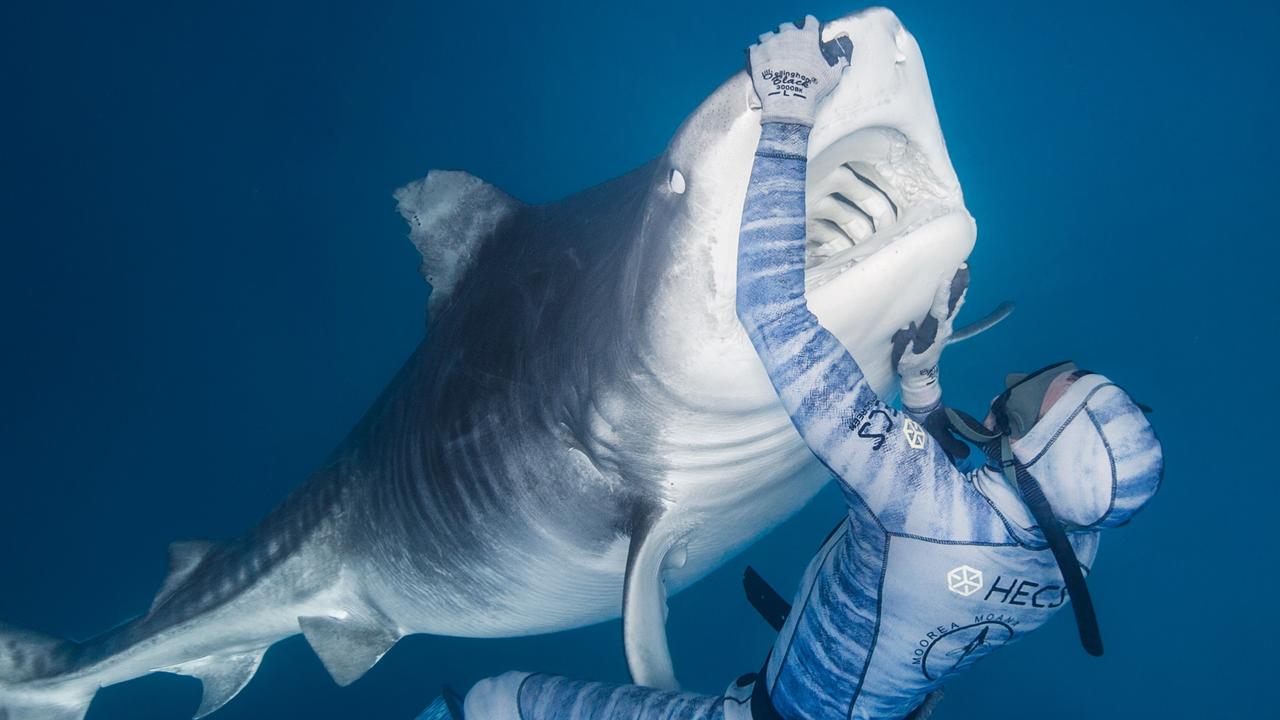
878 166
885 84
861 24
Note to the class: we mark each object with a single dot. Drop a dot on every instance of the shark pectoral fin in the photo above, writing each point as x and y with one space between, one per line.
349 646
223 677
644 603
184 558
450 215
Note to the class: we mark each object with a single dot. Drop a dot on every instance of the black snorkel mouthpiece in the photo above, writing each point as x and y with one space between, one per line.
1015 412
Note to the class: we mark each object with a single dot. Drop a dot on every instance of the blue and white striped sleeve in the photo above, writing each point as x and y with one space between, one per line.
817 380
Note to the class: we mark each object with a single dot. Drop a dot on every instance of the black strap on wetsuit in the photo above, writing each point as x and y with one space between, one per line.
768 602
761 704
1060 545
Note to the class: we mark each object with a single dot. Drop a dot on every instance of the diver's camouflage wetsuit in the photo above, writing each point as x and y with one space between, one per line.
932 569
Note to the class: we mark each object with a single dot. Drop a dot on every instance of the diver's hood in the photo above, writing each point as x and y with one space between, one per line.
1094 454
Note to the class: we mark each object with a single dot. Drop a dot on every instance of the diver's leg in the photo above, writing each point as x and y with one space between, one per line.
495 698
446 707
539 696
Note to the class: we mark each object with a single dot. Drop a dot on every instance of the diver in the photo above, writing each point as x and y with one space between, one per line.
932 569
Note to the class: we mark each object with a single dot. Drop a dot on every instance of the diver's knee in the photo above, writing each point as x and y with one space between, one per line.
495 698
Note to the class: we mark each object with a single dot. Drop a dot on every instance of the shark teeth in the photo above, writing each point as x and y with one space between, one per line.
849 209
823 268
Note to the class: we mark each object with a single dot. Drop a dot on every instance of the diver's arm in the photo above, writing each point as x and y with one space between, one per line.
817 380
917 350
882 458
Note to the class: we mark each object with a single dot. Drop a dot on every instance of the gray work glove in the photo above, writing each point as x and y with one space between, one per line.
791 74
917 349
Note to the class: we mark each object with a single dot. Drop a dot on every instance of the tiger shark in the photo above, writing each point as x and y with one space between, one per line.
585 428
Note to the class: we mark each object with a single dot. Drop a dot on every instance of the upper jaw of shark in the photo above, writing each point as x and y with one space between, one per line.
878 168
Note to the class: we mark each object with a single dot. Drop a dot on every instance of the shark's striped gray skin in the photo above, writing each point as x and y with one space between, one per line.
586 425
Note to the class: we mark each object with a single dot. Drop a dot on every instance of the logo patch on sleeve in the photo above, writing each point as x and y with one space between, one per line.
914 433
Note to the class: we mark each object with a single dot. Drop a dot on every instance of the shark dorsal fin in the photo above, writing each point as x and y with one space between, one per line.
450 214
348 646
184 557
223 677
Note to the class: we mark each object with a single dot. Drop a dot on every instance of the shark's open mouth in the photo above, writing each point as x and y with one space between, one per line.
850 214
865 191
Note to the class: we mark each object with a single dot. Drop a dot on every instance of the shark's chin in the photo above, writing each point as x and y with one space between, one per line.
866 191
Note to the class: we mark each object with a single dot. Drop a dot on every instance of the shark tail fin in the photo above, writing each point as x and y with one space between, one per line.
27 656
450 215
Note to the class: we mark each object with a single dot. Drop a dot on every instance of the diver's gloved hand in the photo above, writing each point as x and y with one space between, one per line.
791 74
917 349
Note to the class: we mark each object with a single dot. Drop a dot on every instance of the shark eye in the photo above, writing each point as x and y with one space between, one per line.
676 181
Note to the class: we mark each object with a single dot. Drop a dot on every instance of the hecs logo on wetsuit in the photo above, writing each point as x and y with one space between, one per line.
964 580
1026 593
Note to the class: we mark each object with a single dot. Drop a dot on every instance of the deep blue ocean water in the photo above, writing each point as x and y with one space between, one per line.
204 283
